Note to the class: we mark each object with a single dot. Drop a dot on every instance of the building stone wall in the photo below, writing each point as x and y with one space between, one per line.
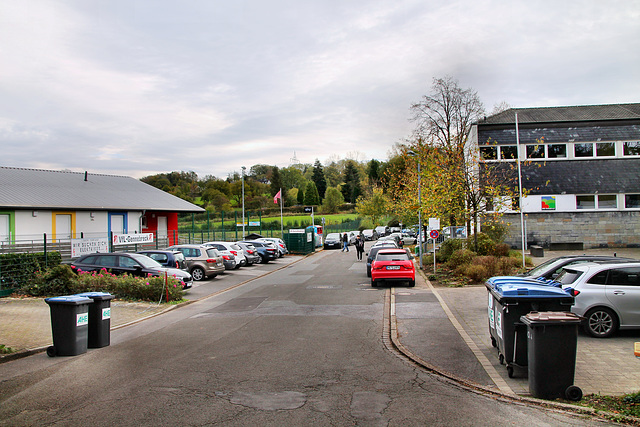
570 230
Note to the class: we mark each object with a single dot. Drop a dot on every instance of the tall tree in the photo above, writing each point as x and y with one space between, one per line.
319 179
444 119
276 181
351 188
311 196
333 198
300 197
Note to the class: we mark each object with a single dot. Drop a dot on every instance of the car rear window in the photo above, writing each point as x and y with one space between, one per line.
212 252
399 256
567 277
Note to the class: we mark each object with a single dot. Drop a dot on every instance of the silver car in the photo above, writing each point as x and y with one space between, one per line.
607 295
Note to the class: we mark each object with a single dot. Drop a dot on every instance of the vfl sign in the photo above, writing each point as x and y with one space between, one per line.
132 239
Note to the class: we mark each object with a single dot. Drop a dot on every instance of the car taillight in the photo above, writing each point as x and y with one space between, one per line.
227 257
574 292
235 253
211 261
249 251
177 264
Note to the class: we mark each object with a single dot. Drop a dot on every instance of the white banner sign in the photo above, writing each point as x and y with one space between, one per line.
297 230
132 239
81 247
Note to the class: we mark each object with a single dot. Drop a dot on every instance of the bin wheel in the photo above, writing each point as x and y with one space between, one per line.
510 371
494 343
501 359
51 351
573 393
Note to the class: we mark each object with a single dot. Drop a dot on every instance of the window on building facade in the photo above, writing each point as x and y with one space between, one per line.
535 151
508 152
489 153
585 202
632 201
583 150
631 148
605 149
607 201
555 151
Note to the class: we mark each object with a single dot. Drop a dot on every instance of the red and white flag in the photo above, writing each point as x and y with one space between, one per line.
277 196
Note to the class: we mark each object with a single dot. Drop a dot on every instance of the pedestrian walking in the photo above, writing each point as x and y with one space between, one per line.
345 243
359 246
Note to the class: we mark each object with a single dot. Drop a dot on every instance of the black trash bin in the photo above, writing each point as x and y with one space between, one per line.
99 318
552 341
69 325
508 300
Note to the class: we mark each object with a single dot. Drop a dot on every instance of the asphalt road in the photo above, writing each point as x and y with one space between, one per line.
303 345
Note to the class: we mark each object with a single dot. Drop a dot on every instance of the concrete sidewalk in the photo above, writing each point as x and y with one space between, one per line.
448 328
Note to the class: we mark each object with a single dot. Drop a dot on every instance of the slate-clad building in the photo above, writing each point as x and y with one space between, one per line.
580 167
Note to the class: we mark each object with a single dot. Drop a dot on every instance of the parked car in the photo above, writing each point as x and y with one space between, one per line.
203 262
250 253
280 245
408 239
393 265
552 268
234 253
129 263
607 295
333 240
266 250
373 251
370 234
382 230
353 235
171 259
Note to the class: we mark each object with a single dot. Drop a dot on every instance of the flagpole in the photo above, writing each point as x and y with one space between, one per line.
281 225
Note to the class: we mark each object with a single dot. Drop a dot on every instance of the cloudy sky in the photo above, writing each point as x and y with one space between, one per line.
138 87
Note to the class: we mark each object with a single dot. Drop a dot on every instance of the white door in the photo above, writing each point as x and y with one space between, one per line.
4 229
63 227
162 227
117 224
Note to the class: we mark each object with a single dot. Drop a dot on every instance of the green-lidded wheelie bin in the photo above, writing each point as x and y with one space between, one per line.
99 318
69 325
552 342
508 301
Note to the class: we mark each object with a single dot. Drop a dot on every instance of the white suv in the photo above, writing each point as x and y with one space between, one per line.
606 294
231 248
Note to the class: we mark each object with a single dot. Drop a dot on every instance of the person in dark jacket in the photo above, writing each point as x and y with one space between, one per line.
345 243
359 246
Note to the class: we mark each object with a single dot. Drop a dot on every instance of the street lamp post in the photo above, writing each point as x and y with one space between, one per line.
243 232
413 154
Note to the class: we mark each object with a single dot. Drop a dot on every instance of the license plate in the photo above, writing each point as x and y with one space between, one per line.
393 267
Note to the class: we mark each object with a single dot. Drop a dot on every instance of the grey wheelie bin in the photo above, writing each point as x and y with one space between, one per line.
69 325
508 300
99 318
552 342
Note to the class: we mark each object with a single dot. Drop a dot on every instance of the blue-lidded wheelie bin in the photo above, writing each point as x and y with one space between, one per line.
99 318
491 284
508 301
69 325
551 347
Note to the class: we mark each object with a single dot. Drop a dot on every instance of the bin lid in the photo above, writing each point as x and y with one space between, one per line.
550 318
517 290
68 299
496 280
97 296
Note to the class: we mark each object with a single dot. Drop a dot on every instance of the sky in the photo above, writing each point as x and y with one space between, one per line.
140 87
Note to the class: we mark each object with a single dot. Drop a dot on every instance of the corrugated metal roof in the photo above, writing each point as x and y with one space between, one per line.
565 114
47 189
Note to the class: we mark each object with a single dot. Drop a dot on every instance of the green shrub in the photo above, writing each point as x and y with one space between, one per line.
496 229
447 248
61 280
508 266
17 269
486 246
461 257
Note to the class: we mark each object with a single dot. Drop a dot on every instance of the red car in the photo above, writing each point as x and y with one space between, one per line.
393 265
